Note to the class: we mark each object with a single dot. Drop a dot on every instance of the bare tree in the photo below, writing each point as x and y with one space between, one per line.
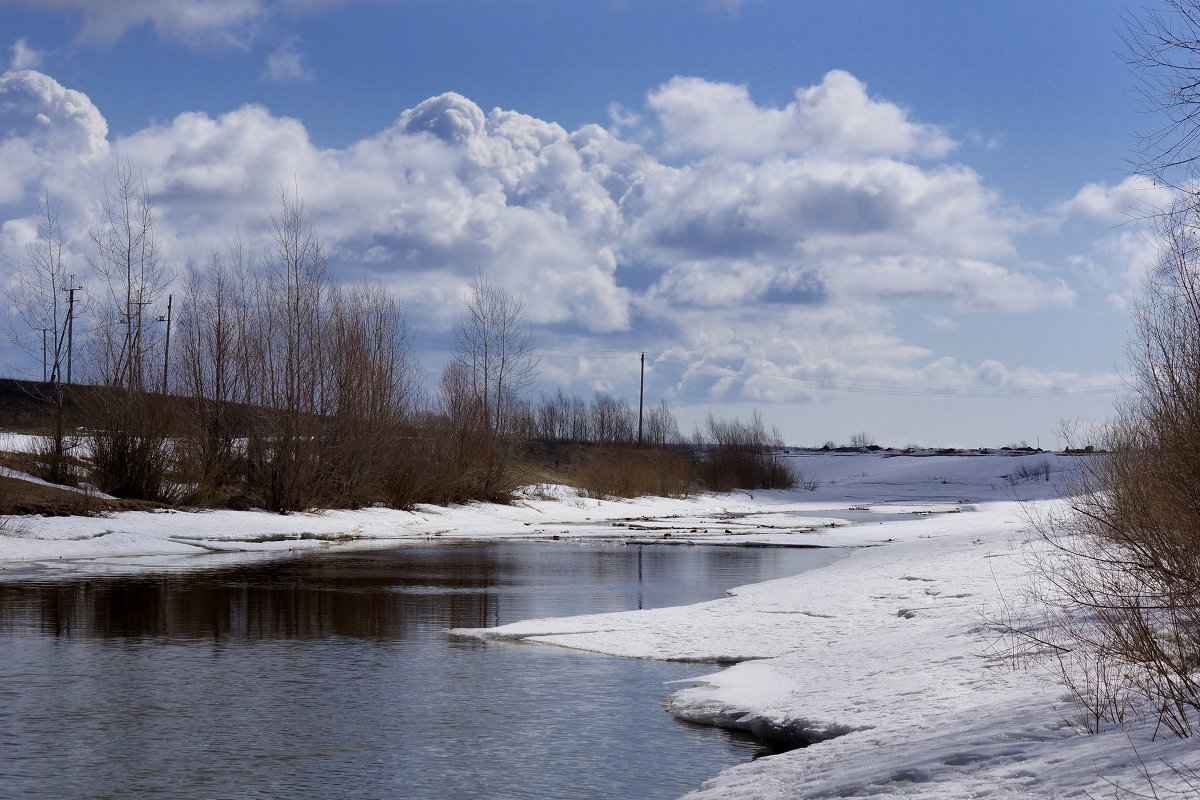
662 429
494 345
1118 590
127 259
128 437
289 351
207 370
862 440
39 295
373 383
612 419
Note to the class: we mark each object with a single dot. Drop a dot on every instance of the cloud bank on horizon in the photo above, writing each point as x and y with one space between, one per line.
705 228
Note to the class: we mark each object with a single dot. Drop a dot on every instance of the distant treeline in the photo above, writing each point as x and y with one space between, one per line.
271 386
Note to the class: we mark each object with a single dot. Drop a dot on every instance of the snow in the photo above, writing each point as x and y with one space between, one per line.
880 660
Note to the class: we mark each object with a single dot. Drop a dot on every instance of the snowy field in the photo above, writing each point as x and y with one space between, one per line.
880 659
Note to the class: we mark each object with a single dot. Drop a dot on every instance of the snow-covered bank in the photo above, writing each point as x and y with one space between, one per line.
881 659
820 517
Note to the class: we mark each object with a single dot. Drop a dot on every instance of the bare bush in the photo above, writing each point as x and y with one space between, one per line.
1120 586
55 460
475 463
743 455
1116 602
863 440
1026 471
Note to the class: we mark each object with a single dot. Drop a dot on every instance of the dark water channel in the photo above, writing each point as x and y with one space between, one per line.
331 676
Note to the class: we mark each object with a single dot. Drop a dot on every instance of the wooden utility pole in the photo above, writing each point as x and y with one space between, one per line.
641 399
71 290
167 344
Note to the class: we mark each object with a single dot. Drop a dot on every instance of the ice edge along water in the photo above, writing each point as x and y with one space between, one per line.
880 657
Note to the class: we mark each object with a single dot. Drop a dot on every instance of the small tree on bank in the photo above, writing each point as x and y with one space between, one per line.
128 430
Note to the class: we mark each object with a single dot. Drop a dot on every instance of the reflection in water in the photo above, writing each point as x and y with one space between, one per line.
330 675
389 595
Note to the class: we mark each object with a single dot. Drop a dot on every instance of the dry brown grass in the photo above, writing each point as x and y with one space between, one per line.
20 497
604 471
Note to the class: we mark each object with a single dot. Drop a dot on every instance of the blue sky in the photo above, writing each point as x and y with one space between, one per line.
881 213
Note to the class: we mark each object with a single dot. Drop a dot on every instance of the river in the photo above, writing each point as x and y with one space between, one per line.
331 675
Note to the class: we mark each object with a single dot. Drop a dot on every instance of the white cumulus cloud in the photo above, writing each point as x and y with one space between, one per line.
782 255
1133 198
835 117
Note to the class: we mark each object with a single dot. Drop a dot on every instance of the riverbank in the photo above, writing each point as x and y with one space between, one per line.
893 484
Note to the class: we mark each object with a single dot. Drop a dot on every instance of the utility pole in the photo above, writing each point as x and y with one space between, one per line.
167 345
71 290
133 344
641 399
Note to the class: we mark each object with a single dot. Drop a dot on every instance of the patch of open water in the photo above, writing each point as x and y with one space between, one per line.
331 675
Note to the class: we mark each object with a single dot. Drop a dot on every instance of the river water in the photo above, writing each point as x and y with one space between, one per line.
331 675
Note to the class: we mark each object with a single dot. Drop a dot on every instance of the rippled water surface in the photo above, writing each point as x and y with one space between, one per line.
331 675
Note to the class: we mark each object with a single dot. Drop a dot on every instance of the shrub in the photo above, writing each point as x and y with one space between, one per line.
862 440
130 457
1119 588
1030 472
743 455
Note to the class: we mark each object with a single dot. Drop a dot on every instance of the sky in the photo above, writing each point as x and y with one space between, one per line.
917 221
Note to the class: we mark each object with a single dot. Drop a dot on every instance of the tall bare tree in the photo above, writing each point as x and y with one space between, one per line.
210 334
127 259
495 346
373 385
288 348
128 438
